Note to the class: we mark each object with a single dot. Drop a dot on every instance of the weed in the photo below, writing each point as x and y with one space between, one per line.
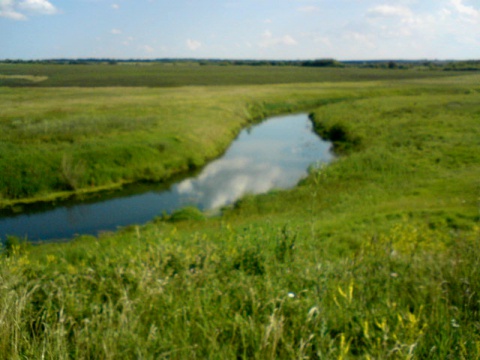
285 247
14 246
250 261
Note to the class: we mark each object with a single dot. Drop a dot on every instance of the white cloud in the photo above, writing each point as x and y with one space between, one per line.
389 11
15 9
115 6
38 6
410 29
268 40
7 10
115 31
11 14
463 9
193 44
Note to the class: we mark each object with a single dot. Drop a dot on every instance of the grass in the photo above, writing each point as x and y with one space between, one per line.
119 135
174 75
411 292
23 78
375 256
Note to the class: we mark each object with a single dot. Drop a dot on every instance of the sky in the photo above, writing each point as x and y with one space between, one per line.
240 29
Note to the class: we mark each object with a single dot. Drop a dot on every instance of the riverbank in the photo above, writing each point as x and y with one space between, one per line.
374 256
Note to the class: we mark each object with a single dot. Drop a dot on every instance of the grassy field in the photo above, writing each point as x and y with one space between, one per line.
188 74
376 256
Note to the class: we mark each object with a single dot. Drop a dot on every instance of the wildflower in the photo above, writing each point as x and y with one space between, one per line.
291 295
454 323
72 270
394 275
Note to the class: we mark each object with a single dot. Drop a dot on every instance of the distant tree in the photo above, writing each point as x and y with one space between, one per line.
392 65
323 63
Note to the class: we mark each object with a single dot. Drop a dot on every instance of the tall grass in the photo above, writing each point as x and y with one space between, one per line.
411 292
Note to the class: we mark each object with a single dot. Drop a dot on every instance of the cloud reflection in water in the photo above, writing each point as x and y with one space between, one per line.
275 154
227 180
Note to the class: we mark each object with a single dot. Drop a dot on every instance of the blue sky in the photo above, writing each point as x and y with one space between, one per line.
240 29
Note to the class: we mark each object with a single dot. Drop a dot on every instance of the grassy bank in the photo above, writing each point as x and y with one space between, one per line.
374 257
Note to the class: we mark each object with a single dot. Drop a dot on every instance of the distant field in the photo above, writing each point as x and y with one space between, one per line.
168 75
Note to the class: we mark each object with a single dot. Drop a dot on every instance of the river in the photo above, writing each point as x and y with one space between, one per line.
274 154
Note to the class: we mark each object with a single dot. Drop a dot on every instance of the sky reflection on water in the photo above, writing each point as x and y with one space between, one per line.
274 155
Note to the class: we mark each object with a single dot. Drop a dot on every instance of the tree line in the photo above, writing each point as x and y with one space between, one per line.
450 65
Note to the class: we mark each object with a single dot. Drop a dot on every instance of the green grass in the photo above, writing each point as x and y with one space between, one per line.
159 292
109 136
375 256
174 75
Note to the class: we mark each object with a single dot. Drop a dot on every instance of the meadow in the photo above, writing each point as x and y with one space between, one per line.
375 256
189 74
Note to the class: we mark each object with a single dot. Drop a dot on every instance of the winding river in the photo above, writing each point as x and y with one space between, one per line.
274 154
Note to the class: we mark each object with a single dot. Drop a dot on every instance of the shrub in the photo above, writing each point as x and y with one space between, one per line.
187 213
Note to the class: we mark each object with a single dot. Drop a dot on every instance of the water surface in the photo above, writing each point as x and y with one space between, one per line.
275 154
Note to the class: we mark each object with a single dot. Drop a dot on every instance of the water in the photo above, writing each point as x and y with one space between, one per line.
275 154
